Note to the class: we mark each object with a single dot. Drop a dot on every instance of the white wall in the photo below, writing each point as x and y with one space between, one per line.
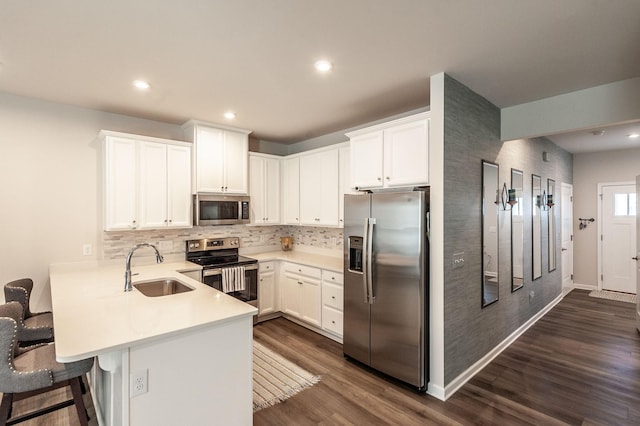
589 169
49 184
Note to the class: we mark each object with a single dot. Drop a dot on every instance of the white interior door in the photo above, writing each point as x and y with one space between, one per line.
566 211
618 238
636 259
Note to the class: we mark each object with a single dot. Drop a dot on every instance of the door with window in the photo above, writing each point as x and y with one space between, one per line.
618 238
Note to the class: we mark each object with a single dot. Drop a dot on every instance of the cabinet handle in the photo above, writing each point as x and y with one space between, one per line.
222 188
379 178
165 221
388 178
170 220
333 322
333 278
225 188
300 282
333 297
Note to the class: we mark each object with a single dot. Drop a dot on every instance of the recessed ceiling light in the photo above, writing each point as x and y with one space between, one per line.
634 135
229 115
141 84
323 65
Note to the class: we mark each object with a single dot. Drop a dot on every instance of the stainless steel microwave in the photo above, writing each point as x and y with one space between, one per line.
209 209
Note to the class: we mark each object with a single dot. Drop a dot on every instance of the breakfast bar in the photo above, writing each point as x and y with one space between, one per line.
182 358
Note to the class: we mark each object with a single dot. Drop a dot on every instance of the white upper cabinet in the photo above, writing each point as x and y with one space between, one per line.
147 182
392 154
264 188
120 184
220 157
291 191
319 188
345 181
366 160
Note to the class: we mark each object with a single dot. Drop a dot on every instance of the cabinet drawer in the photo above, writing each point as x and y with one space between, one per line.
332 295
332 277
267 266
302 270
332 320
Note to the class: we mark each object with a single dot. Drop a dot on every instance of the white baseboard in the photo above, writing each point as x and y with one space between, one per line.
463 378
585 286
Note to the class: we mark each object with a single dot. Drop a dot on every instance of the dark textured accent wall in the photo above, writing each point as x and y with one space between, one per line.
472 134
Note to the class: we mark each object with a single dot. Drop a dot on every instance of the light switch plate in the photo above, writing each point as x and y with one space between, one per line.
457 260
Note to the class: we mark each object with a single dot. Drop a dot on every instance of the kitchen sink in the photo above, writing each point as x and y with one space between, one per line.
161 287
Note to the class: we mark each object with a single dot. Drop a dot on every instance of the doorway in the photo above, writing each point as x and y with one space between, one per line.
618 237
566 212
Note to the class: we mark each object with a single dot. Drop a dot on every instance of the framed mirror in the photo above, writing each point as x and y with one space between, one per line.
490 202
517 230
536 217
551 220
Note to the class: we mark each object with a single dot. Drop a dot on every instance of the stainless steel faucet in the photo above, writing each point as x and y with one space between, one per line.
127 272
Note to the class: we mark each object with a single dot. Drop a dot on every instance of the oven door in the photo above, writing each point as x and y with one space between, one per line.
213 278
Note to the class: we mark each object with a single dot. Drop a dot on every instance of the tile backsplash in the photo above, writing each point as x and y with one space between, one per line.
116 245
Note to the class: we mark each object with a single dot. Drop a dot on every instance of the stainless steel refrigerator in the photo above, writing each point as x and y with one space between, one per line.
386 280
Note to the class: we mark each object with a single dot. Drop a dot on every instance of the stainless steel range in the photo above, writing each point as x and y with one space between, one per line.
224 269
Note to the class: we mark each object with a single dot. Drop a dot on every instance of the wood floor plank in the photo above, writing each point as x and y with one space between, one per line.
579 365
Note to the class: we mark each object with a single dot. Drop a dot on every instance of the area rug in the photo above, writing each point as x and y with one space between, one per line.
614 295
275 378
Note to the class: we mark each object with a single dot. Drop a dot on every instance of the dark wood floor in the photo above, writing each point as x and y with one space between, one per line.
579 364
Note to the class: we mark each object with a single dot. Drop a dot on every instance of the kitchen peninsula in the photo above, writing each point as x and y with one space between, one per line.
183 358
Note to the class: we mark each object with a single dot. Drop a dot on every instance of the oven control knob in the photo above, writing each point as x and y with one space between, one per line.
197 245
191 245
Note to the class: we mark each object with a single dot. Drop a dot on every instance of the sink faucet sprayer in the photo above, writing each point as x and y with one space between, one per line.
127 273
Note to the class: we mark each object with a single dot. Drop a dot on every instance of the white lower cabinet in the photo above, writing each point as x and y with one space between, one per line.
332 302
302 292
266 288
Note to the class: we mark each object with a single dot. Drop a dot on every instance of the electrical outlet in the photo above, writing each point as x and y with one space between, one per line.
138 384
86 249
165 245
458 260
531 294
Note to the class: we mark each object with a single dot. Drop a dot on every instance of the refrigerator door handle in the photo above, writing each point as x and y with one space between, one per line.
369 249
365 259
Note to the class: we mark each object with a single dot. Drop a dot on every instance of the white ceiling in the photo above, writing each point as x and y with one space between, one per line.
255 57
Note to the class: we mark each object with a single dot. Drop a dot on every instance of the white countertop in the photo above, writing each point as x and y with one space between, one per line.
93 314
331 263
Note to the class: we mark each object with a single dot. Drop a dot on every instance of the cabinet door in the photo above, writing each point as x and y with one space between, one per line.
120 184
311 302
210 159
345 182
291 191
366 160
179 186
406 154
266 292
319 189
257 189
291 295
236 150
272 191
152 185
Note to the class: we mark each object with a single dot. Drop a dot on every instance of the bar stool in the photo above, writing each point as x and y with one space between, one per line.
38 325
25 372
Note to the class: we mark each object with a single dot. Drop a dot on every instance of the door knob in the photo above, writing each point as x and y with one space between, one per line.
564 249
635 258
